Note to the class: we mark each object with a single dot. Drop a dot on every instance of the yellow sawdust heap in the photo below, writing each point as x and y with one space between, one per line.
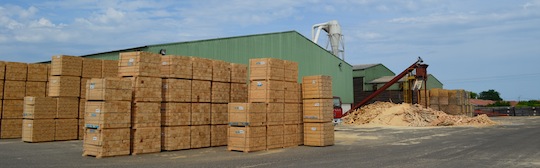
390 114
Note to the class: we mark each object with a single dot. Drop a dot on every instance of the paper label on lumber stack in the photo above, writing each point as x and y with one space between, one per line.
36 89
274 136
10 128
66 129
67 107
247 139
291 71
291 113
175 114
239 92
109 89
91 68
290 135
247 114
291 92
38 72
64 86
219 114
2 70
318 110
274 113
63 65
38 130
200 136
99 137
266 69
12 109
218 135
221 71
317 87
147 89
200 113
266 91
16 71
14 89
319 134
146 114
173 66
202 68
109 114
220 92
175 138
146 140
107 142
239 73
109 68
139 63
201 91
176 90
39 108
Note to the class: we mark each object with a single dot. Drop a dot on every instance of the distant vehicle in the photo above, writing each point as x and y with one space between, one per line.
338 111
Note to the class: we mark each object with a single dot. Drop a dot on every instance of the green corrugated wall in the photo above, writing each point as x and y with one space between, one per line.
312 59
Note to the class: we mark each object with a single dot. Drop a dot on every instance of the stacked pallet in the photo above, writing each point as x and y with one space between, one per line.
107 117
273 105
14 76
176 73
143 69
453 102
65 87
318 110
39 124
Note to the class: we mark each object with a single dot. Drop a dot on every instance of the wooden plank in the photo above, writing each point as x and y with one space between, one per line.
39 108
175 138
247 114
64 65
318 110
246 139
319 134
38 130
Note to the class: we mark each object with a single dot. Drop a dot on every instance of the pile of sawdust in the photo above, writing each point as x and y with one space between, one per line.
385 113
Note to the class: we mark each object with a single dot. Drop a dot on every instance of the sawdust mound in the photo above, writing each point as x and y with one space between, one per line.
385 113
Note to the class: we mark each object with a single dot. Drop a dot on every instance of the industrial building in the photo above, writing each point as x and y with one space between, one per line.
369 77
288 45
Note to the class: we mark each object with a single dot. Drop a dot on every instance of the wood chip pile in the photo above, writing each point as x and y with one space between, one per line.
390 114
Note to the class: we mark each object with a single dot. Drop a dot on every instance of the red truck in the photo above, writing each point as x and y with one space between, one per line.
338 111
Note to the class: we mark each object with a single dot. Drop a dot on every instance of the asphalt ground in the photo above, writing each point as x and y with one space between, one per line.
513 143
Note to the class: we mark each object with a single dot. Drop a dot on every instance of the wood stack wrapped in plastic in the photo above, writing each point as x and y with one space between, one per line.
272 117
453 102
318 110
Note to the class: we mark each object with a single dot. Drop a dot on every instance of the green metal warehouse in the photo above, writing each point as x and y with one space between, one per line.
289 45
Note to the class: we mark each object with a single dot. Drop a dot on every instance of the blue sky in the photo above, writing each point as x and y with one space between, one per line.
472 45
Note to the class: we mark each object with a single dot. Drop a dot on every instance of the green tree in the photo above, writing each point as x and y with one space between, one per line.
490 95
473 95
530 103
499 104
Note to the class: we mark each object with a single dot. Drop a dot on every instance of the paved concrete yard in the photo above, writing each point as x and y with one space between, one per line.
514 143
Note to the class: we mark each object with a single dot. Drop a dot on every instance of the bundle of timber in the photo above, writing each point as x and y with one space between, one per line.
272 118
390 114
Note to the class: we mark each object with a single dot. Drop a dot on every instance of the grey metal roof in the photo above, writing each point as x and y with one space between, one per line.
386 79
364 66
